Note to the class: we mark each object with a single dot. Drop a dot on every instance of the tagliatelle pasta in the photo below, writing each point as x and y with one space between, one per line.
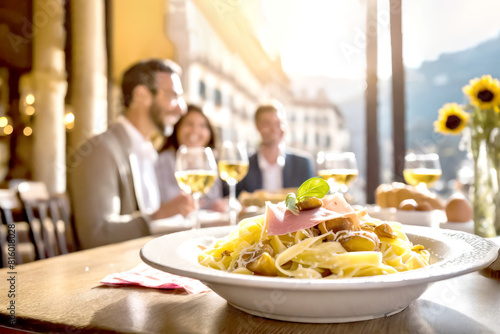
327 250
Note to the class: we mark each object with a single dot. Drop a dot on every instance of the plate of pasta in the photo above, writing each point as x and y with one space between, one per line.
316 259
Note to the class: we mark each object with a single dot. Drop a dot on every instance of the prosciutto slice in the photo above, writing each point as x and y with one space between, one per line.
279 220
337 203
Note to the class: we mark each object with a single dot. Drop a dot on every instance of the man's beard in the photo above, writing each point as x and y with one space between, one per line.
155 115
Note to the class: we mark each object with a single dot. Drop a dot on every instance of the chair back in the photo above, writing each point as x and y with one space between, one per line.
60 209
36 203
16 245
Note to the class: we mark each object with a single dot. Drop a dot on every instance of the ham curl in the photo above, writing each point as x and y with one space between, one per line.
280 221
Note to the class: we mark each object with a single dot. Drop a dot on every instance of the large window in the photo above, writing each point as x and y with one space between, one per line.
446 44
203 90
218 97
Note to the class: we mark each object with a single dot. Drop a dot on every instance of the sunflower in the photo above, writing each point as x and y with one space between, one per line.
452 119
484 93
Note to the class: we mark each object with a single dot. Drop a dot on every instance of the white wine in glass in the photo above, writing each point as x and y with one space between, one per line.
236 170
233 167
343 177
340 168
422 170
195 181
195 172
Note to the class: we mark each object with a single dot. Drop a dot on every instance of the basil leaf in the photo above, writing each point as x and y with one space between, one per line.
290 202
314 187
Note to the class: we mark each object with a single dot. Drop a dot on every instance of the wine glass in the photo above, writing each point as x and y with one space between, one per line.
195 172
233 167
339 169
422 170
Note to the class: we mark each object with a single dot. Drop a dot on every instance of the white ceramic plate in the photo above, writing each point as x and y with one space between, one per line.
461 226
453 253
420 218
377 212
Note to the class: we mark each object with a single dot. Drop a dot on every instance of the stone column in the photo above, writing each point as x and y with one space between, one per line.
49 79
89 76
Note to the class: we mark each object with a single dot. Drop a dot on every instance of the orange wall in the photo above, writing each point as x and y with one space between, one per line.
138 33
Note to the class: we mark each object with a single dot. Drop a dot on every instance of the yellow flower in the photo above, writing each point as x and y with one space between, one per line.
452 119
484 93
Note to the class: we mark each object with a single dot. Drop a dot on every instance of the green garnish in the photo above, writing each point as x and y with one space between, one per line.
291 203
314 187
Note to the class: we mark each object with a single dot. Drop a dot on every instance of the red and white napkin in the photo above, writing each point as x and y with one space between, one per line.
146 276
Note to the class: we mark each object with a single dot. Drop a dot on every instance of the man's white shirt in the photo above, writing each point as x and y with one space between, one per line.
272 175
143 158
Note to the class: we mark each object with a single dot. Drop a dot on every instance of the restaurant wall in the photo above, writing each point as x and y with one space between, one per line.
138 32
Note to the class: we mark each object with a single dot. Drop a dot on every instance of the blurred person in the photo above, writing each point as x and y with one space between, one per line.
273 167
113 189
193 129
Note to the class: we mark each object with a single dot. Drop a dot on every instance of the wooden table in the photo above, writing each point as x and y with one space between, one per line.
63 294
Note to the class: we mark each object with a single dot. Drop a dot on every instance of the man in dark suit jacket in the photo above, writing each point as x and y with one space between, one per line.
107 175
296 170
273 167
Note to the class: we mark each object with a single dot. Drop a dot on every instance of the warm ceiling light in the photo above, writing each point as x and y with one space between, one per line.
3 121
30 110
27 131
8 129
69 118
30 99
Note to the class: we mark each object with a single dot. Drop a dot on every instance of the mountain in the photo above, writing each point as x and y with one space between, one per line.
438 82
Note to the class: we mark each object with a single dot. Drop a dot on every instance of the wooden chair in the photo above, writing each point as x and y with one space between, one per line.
18 231
60 209
36 203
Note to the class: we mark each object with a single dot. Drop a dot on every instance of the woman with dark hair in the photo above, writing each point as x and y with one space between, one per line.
193 129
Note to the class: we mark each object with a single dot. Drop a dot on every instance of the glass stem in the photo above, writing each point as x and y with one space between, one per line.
232 202
196 221
422 187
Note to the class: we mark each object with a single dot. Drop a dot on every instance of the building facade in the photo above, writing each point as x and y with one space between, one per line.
228 72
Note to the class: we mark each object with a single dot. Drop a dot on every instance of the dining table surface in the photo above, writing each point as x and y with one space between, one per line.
63 294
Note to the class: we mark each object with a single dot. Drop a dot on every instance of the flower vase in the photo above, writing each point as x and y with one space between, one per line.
494 153
485 190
